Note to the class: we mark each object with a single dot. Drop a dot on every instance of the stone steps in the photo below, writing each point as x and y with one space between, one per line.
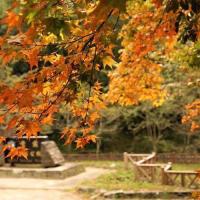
59 172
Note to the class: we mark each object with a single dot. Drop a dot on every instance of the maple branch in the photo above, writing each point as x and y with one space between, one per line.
57 97
69 43
64 43
102 24
116 23
93 62
8 110
91 83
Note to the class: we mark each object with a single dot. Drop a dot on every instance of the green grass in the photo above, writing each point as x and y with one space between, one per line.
122 179
104 164
186 167
120 164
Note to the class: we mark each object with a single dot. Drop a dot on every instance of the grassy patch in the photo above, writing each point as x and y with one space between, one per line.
104 164
122 179
186 167
120 164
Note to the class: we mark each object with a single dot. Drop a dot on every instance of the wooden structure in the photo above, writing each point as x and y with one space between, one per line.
41 150
181 158
33 144
146 169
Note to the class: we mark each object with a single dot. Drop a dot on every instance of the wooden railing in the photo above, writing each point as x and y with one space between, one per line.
161 157
145 169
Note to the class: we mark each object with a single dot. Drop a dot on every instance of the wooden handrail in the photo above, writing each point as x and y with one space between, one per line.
151 165
147 158
168 167
139 155
181 172
168 176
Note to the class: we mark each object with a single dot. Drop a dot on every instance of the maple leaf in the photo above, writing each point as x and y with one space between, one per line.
51 38
28 128
105 5
32 55
47 120
31 128
2 139
12 19
6 147
26 99
17 152
22 152
158 3
92 138
108 61
1 41
94 116
81 142
2 119
13 122
7 56
69 134
192 115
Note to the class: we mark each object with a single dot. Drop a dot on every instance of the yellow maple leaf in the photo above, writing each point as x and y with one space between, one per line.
51 38
109 61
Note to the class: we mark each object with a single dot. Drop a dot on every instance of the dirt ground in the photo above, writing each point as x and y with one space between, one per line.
18 194
41 189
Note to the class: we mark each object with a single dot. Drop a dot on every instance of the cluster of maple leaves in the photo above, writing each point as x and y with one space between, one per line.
79 33
54 78
193 113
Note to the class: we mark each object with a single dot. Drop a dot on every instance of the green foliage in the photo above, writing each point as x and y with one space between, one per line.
3 6
128 127
194 56
188 55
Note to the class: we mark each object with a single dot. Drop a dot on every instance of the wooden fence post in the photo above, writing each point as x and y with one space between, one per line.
126 160
153 174
183 180
163 176
137 175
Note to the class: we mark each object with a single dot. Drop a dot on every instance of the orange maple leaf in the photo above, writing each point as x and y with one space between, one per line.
2 139
17 152
13 122
81 142
12 19
1 41
47 120
32 56
91 138
26 99
28 128
7 57
2 119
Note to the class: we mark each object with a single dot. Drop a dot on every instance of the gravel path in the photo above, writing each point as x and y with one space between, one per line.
14 194
42 189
